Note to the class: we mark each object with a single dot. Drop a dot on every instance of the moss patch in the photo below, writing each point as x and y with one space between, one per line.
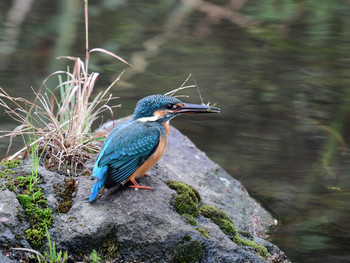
9 185
262 251
34 203
190 219
187 252
187 200
11 164
202 232
227 226
220 218
8 172
187 204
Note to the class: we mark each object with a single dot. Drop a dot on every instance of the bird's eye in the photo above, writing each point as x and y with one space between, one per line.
171 106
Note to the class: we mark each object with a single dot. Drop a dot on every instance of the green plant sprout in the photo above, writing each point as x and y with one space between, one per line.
48 257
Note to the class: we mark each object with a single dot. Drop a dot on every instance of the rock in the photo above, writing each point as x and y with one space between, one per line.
8 214
11 228
5 259
143 226
215 185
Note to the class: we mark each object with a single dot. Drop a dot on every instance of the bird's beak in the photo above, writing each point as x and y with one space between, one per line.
197 108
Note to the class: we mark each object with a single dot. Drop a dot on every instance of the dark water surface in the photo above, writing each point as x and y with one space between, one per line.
279 70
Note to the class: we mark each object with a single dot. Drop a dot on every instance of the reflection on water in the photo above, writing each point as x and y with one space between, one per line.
278 69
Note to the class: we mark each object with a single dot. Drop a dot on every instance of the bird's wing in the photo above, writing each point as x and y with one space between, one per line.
127 150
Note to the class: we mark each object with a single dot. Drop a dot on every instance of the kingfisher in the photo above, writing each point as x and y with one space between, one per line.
134 146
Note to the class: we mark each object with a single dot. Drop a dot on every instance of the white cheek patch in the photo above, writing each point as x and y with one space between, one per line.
157 115
146 119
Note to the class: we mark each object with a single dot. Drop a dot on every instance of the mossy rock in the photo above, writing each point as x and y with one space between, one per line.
187 200
181 188
262 251
9 185
190 219
11 163
34 203
227 226
6 173
202 232
35 236
22 182
25 200
187 204
188 252
220 218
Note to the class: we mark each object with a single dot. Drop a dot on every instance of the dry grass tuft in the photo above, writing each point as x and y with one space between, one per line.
61 118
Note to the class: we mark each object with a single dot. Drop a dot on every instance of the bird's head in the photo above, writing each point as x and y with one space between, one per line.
163 108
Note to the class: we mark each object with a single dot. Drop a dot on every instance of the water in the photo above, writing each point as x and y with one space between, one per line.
282 85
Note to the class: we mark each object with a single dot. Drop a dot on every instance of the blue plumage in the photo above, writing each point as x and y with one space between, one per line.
136 145
123 152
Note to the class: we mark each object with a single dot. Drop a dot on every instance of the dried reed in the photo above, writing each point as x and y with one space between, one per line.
61 117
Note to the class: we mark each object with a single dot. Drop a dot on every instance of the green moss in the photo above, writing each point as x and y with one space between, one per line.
187 200
202 232
35 207
220 218
6 173
11 164
38 218
188 252
250 243
35 236
24 200
190 219
9 185
22 182
187 205
9 173
227 226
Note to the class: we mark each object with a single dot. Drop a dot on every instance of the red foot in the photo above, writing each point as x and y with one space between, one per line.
146 175
137 186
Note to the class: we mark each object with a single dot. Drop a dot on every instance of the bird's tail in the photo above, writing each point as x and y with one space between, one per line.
100 174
